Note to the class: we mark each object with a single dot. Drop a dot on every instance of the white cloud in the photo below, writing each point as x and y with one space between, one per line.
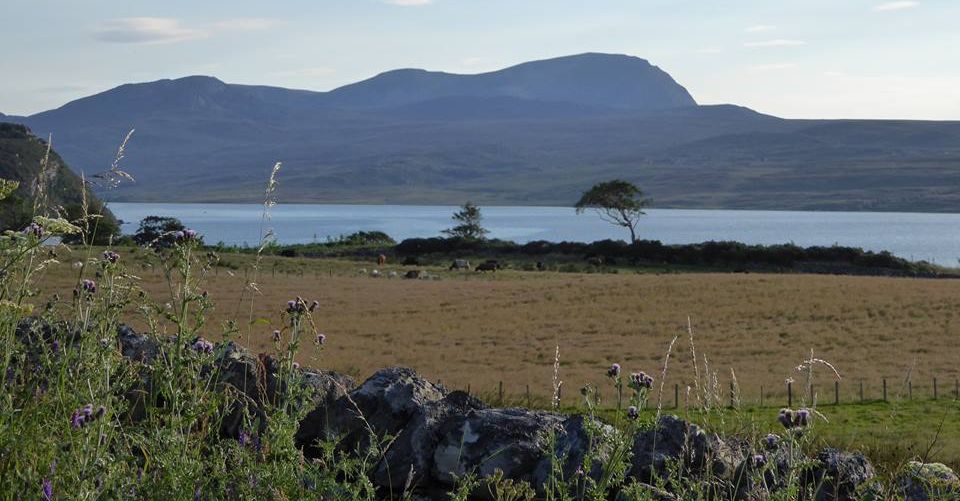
147 30
772 66
760 28
779 42
900 5
160 30
709 50
408 3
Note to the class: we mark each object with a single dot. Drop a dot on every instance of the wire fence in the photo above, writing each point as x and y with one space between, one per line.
790 394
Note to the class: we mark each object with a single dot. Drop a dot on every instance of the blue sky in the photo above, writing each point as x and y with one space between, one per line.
798 59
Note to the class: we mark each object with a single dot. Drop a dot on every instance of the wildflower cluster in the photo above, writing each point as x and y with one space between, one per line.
203 346
187 235
86 415
794 420
640 381
111 256
87 287
298 305
33 229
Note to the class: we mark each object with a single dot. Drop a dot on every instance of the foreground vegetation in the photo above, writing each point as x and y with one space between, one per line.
474 330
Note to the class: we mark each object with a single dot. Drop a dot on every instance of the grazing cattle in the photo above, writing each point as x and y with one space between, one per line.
595 260
375 273
541 266
381 260
487 266
460 264
411 261
412 274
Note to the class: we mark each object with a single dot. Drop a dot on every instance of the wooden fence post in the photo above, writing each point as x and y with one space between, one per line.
934 388
836 393
861 390
910 389
676 396
884 389
789 394
528 396
500 392
761 395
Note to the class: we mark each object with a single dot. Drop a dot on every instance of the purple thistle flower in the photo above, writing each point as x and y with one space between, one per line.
786 418
178 235
296 366
87 410
189 234
203 346
55 346
632 412
33 229
244 438
640 380
321 338
76 420
276 336
111 256
47 490
759 460
101 411
291 306
772 441
88 286
802 418
614 371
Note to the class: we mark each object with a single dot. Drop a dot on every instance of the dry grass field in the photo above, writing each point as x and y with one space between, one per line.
477 330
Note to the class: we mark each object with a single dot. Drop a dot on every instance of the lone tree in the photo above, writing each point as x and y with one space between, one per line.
157 231
469 227
618 202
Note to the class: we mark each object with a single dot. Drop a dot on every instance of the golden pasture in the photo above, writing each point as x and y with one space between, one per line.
476 330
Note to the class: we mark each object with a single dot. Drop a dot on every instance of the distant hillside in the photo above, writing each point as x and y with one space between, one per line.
21 157
535 133
599 80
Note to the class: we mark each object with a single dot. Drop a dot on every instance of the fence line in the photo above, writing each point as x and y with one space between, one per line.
499 395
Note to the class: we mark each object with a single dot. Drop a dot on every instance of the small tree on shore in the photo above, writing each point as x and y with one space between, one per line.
617 202
157 231
468 227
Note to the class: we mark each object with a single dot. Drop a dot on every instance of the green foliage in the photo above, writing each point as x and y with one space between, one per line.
45 186
468 227
618 202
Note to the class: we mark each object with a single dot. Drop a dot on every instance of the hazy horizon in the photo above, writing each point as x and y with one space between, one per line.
814 59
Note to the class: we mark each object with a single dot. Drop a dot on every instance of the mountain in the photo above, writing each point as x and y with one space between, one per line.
598 80
536 133
21 159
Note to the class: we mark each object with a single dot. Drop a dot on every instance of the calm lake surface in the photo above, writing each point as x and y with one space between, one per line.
915 236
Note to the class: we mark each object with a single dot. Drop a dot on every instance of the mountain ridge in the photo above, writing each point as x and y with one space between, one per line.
535 133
